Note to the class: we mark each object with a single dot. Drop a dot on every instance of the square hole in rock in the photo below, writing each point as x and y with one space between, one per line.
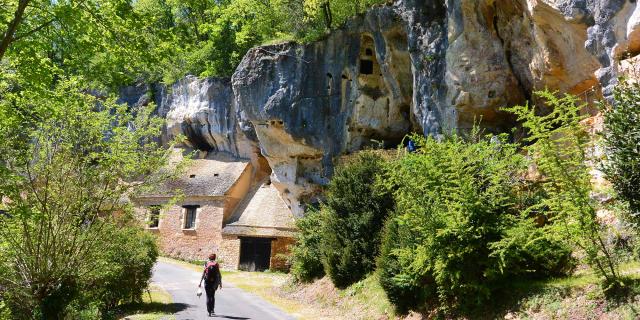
366 66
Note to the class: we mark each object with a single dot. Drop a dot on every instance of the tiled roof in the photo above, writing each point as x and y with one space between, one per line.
262 213
212 176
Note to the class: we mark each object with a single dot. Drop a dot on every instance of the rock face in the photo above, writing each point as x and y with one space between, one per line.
423 66
426 66
309 103
200 110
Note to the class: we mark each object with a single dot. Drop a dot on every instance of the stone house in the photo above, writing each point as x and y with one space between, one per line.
260 231
191 213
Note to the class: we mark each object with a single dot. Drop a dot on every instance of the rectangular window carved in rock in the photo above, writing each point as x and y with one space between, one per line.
154 217
366 67
190 213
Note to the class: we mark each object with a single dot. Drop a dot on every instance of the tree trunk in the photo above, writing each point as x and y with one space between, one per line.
12 27
326 9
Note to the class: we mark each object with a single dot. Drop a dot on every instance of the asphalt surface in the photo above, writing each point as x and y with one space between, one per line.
231 302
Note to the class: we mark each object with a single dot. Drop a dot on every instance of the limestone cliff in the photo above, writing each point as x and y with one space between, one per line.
202 111
423 66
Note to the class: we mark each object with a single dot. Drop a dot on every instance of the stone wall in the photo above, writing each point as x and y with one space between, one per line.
229 253
280 249
194 244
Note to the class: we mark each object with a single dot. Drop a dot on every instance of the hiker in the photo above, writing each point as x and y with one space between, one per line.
411 146
212 281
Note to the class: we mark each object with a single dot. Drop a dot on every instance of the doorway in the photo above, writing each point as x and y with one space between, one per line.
255 254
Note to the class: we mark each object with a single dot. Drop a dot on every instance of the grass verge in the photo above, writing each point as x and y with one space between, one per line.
156 304
576 297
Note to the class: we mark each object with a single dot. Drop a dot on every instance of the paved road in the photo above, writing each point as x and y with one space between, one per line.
231 302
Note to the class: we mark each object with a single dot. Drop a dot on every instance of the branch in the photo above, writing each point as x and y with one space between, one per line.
38 28
7 39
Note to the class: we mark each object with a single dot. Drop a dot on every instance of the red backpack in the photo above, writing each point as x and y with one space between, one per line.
211 272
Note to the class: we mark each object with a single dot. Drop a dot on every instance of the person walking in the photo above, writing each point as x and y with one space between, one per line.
212 281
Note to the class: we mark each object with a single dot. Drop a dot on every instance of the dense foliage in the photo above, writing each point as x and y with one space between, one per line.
559 147
63 178
210 37
101 40
122 272
306 257
462 221
622 140
115 42
354 212
342 238
461 227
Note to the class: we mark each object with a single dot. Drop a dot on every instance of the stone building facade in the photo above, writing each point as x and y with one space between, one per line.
190 213
260 231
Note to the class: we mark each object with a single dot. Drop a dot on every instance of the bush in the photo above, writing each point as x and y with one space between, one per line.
532 252
455 235
122 274
119 275
403 290
621 140
354 213
559 143
306 259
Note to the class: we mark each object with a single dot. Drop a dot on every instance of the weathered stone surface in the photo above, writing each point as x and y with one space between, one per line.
448 64
309 103
201 110
425 66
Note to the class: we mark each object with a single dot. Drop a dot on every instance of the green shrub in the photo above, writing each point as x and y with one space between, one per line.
354 213
306 263
558 144
532 252
455 237
122 274
403 290
621 140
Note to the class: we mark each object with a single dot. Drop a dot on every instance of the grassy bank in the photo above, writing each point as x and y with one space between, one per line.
574 297
156 304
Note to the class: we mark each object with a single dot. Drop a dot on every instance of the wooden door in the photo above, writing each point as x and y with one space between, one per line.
255 254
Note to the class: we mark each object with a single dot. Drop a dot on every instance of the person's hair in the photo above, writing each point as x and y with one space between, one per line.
212 256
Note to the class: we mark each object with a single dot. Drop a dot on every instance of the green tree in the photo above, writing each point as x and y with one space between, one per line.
306 255
354 213
100 40
621 140
61 187
462 228
559 145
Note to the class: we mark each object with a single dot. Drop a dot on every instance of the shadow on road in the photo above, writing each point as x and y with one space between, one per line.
229 317
156 307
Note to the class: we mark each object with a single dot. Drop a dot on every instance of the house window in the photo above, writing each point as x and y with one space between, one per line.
154 217
190 213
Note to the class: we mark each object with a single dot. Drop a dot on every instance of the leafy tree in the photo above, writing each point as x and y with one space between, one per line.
210 37
621 140
61 186
101 40
558 145
355 210
462 228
